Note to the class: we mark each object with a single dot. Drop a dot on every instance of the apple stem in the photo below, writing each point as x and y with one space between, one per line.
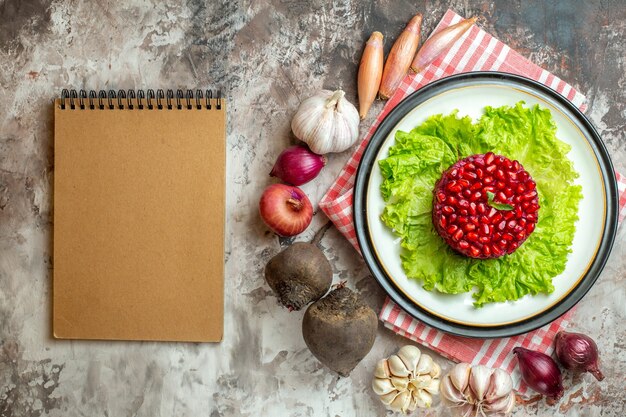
295 204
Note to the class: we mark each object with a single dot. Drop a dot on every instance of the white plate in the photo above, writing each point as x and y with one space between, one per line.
470 98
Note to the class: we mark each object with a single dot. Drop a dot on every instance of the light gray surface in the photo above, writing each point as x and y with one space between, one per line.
267 57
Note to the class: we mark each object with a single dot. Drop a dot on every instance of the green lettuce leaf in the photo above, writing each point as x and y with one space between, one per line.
417 160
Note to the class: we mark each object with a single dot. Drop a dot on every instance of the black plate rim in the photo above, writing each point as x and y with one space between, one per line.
360 219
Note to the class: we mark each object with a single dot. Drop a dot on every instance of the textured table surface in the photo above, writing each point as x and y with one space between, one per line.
268 57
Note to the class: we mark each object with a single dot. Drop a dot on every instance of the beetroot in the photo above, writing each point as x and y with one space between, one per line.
299 275
340 330
485 206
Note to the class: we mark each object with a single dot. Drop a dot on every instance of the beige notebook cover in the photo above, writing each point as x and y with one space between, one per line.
139 221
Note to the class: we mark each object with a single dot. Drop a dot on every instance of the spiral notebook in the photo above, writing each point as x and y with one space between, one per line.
139 195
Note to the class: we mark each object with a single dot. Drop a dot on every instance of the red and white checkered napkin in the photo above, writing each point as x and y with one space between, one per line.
475 51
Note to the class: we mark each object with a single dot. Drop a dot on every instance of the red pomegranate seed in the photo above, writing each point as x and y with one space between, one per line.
463 216
468 227
529 195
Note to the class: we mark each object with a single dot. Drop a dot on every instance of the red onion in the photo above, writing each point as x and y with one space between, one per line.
540 372
297 165
285 209
578 352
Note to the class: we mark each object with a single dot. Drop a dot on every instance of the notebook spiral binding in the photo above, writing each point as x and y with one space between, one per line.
127 99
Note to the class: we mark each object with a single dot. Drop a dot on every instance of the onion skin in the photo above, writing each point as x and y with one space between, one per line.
400 56
285 209
578 352
439 43
298 165
370 72
540 372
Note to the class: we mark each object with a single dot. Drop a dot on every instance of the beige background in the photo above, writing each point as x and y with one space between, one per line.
268 56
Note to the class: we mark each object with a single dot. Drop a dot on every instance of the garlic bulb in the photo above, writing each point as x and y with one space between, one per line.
478 391
327 122
406 380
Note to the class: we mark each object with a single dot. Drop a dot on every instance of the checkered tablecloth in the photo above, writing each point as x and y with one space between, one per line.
475 51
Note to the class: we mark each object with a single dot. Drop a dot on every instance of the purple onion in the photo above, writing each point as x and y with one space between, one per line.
540 372
578 352
297 165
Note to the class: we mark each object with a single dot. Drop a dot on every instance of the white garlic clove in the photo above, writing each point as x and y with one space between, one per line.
432 386
401 402
450 393
420 381
424 366
436 371
400 383
388 398
412 404
382 386
480 377
503 405
500 385
396 366
410 355
459 376
422 398
382 369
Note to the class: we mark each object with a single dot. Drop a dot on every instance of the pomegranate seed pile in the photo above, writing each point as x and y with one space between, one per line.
462 213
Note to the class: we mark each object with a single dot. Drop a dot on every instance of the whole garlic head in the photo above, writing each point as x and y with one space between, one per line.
407 380
478 391
327 122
